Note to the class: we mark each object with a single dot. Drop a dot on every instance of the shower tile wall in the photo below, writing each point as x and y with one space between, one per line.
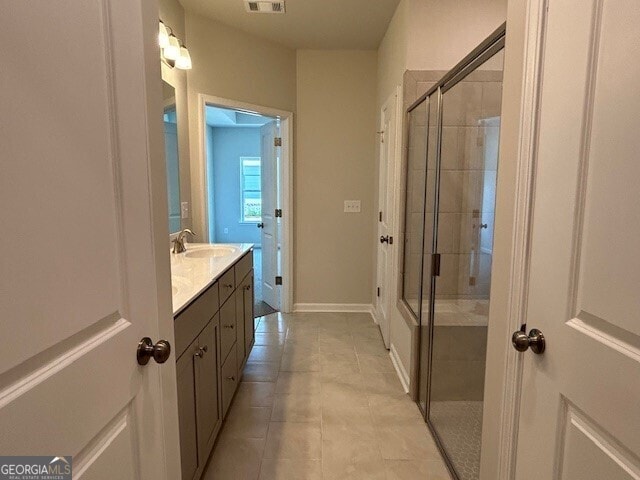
468 175
467 197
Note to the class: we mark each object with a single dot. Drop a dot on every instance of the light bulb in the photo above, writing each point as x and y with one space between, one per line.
163 36
183 62
172 51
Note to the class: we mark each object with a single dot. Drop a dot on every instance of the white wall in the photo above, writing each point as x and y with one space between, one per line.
392 54
428 35
335 161
442 32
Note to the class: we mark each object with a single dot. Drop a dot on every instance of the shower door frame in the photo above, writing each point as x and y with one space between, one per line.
485 50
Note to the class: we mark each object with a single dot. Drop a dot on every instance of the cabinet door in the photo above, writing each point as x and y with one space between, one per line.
229 380
187 412
249 326
241 353
207 395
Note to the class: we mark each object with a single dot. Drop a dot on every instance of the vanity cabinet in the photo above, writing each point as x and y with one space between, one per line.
213 339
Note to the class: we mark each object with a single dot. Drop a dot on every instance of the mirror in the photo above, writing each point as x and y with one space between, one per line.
171 155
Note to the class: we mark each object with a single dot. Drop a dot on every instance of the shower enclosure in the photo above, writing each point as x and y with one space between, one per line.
452 162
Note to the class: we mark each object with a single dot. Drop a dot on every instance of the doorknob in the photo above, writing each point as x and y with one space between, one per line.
386 239
146 349
261 225
521 341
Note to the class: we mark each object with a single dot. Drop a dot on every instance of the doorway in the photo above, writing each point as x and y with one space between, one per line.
245 199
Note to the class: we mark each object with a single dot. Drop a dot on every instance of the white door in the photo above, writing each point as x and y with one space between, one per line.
386 215
580 406
80 284
269 237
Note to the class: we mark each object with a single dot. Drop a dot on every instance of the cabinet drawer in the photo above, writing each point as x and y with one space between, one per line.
229 380
227 327
227 284
243 267
194 318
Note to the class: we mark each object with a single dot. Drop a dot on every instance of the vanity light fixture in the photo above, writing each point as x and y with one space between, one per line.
163 35
183 62
172 51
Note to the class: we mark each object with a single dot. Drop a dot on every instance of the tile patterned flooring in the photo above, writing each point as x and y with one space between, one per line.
320 400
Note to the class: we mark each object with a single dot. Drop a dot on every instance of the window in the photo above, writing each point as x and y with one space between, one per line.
251 196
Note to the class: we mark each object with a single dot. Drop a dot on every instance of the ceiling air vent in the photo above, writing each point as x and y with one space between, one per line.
261 6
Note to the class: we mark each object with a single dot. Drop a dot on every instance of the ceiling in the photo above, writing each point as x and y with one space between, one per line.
313 24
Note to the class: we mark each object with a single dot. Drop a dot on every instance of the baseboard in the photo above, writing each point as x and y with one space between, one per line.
397 364
334 307
374 314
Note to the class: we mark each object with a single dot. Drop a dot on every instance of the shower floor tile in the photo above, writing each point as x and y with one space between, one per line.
459 426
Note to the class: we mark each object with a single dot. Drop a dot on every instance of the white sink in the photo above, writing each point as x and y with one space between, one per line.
210 251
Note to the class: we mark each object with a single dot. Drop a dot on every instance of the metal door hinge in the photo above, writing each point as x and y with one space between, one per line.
278 213
278 280
378 292
435 264
277 141
379 216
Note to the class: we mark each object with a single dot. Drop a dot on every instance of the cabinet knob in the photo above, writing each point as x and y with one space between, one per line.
247 287
229 326
232 378
205 348
227 285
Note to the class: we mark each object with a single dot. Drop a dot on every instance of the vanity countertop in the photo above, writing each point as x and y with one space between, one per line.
193 271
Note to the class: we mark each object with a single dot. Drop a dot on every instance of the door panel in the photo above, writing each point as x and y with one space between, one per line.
269 236
585 269
114 461
386 219
81 286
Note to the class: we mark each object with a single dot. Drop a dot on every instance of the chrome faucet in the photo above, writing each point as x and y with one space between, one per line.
178 242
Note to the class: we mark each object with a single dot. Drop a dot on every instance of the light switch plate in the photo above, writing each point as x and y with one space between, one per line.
352 206
184 209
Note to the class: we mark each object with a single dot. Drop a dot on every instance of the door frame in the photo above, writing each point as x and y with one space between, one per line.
392 280
512 235
200 192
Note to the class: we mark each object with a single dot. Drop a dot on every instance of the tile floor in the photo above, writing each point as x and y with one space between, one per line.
320 400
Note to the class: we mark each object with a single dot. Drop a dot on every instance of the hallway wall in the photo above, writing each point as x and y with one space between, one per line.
335 161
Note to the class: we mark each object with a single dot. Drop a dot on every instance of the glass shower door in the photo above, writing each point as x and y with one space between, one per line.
464 239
